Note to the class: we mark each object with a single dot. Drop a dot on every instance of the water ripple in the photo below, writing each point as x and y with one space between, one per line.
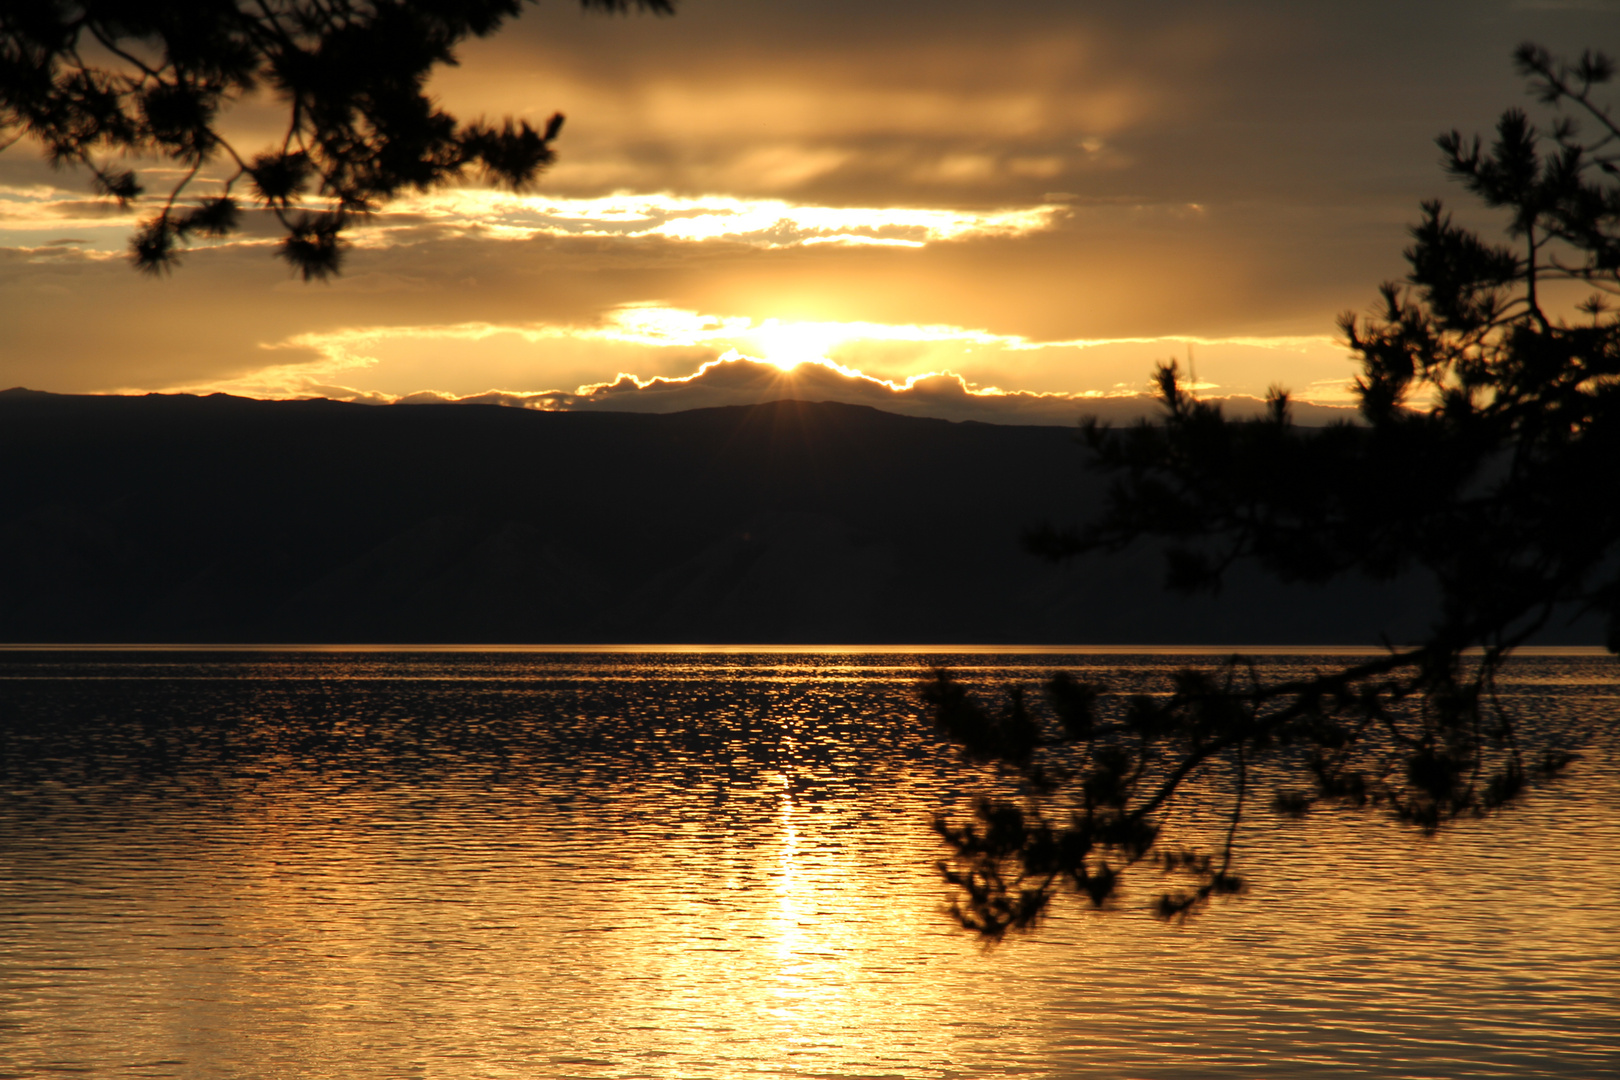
507 864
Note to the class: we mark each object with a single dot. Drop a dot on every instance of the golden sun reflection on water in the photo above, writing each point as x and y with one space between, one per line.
689 867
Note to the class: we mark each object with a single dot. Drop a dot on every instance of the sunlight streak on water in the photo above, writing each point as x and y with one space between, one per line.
716 865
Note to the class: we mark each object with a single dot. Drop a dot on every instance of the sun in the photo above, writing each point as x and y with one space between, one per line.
787 345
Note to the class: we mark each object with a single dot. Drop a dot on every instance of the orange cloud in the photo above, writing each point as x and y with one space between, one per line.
687 359
739 380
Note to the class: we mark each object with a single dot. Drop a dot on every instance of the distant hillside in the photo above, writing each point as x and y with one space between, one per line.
218 519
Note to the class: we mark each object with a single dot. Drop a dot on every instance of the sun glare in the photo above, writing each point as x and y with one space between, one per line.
787 345
661 347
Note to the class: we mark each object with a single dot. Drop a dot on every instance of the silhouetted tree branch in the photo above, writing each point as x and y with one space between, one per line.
99 82
1489 434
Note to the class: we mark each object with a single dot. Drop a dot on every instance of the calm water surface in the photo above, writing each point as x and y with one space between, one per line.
375 865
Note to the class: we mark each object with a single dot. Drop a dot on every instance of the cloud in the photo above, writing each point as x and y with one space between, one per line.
39 215
1228 172
657 341
672 359
844 101
28 214
1062 309
739 380
769 223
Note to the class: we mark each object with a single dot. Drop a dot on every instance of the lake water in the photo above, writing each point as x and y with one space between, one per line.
532 864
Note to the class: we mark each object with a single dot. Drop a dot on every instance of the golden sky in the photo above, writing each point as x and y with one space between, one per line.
973 209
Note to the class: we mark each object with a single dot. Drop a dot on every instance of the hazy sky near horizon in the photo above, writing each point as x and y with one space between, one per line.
1040 197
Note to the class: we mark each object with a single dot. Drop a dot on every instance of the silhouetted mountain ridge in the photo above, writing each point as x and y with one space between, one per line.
220 519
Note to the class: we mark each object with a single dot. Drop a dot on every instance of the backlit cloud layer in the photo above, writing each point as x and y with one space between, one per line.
942 205
668 359
35 216
760 222
740 380
733 379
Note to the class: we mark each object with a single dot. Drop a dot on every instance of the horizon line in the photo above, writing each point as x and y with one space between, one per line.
804 649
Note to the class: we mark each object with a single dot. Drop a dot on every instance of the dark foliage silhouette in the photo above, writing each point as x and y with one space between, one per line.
1490 428
101 82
